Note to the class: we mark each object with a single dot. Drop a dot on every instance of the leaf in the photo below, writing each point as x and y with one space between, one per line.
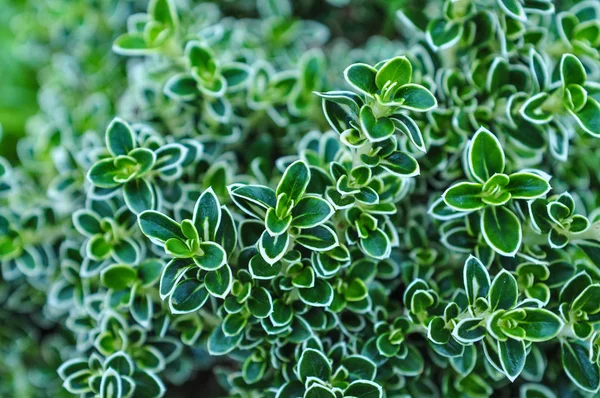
415 97
147 385
588 300
376 244
540 324
165 12
320 238
118 276
576 363
207 215
260 303
218 282
476 279
320 295
157 226
512 357
589 117
527 186
501 230
311 211
504 292
410 128
469 330
314 363
171 274
464 196
485 155
253 200
397 70
572 70
363 389
376 129
272 248
119 137
514 9
139 195
188 296
441 34
401 164
294 181
212 256
220 344
362 78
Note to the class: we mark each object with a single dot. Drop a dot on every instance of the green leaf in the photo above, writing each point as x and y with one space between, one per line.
220 344
376 129
260 303
362 78
311 211
147 384
272 248
118 276
588 300
363 389
589 117
503 291
469 330
415 97
102 174
260 269
253 200
218 282
207 215
533 109
376 245
132 44
476 279
527 186
159 227
165 12
572 71
120 139
139 195
464 196
171 275
274 224
314 363
294 181
188 296
320 295
397 70
441 34
212 256
485 155
512 357
513 9
540 324
178 248
318 391
501 230
401 164
577 365
410 128
320 238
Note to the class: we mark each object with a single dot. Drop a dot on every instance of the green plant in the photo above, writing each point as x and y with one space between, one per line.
229 192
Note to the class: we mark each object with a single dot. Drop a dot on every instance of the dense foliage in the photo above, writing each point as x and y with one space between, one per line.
304 199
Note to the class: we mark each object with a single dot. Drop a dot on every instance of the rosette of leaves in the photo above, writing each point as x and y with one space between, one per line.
134 168
115 374
289 214
574 97
199 248
494 315
491 192
151 32
367 122
556 218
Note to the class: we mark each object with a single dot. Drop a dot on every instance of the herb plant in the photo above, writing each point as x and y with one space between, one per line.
280 199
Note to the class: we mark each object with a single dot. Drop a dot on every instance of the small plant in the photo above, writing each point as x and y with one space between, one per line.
230 194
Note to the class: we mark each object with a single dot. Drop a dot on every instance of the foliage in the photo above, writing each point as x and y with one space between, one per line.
234 187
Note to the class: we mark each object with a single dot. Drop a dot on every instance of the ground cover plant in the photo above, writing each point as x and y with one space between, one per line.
314 199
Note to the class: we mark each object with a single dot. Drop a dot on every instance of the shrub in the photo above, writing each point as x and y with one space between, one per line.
234 188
